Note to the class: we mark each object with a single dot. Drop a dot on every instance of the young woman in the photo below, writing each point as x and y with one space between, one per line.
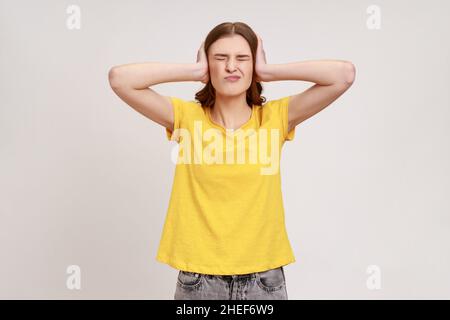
225 229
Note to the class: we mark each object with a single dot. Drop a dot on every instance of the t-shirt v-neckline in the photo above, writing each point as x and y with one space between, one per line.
212 122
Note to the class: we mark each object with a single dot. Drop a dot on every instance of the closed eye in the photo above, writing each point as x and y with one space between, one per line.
238 59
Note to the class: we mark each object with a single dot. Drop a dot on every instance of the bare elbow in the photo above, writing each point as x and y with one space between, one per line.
114 77
349 72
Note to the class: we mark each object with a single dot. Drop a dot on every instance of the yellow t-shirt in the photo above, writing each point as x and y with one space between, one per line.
226 214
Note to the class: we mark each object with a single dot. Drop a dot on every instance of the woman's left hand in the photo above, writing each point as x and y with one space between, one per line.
260 63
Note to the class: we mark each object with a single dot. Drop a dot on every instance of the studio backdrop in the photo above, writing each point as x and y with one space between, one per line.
85 180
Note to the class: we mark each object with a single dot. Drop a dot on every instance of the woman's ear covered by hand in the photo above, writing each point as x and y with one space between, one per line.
260 63
202 63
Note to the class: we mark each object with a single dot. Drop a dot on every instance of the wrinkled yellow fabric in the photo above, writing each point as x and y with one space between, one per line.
224 216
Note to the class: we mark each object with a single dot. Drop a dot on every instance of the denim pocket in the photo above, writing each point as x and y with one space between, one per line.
271 280
188 279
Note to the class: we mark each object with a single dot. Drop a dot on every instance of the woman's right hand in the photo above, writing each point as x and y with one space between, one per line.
202 63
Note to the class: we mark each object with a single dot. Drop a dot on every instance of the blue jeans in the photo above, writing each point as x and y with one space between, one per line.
265 285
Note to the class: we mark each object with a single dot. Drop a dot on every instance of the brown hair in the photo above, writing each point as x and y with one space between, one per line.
207 95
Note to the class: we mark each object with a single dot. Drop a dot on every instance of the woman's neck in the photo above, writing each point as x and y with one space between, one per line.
231 112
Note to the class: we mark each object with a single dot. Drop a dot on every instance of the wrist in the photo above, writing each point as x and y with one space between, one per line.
268 73
265 73
198 71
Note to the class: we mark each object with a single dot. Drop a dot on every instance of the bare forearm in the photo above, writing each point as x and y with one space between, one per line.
146 74
323 72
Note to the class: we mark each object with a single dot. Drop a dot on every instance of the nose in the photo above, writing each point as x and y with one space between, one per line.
231 66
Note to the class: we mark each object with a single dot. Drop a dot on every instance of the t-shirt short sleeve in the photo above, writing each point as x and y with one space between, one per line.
281 106
178 106
285 107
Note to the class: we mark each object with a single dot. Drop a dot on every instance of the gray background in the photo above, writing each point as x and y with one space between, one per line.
85 180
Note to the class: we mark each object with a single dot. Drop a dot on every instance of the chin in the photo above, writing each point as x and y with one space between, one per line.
232 94
231 91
